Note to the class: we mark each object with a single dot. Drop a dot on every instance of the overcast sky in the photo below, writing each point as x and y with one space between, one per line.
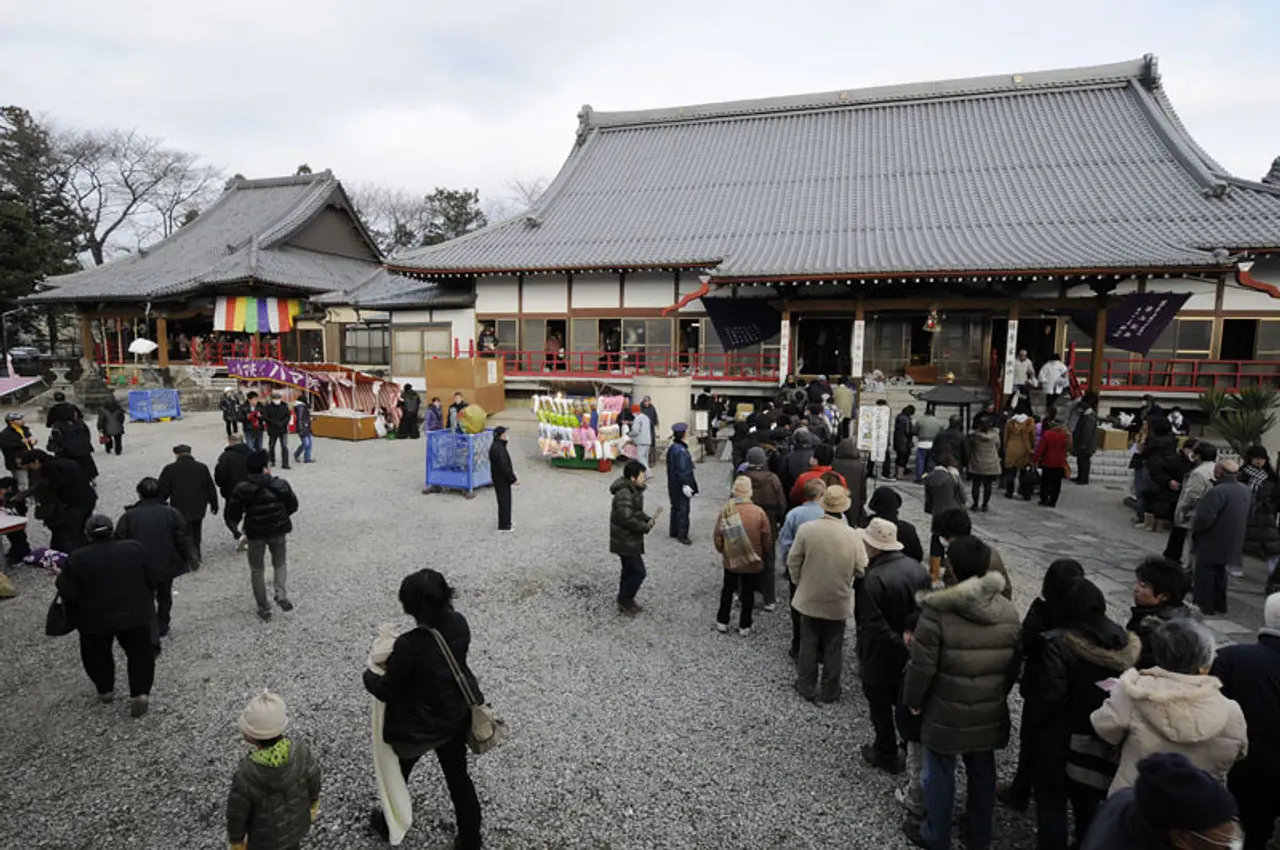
418 94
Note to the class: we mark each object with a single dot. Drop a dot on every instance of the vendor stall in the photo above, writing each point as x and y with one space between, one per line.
347 404
579 433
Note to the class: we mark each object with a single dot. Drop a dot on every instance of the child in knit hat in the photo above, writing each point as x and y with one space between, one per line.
276 789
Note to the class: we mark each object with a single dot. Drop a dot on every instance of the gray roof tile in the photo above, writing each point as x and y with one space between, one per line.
386 290
239 237
1081 169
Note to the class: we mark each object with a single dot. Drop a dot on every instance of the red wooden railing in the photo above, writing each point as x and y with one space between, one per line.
202 354
727 366
1182 375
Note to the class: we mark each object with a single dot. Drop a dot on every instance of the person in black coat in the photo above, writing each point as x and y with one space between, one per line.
426 710
1173 805
1072 763
1043 615
902 440
277 415
111 426
64 497
162 531
252 421
266 504
108 587
884 600
12 505
504 476
410 405
1158 591
61 411
187 485
885 503
797 460
232 468
1167 473
72 439
231 413
1250 675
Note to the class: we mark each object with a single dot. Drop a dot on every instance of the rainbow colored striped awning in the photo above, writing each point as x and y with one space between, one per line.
253 315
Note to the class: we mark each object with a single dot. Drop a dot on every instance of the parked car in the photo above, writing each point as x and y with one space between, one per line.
28 360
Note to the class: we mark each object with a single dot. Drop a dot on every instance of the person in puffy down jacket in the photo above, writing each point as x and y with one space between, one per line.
266 504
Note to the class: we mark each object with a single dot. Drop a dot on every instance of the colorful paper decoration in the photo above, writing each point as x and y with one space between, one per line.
251 314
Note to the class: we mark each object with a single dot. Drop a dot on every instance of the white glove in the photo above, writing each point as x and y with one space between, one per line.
688 491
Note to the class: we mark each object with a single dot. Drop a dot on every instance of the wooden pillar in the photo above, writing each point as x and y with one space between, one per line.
162 339
255 346
1096 362
86 339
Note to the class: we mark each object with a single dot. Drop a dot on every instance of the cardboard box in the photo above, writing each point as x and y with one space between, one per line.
1109 440
343 427
481 381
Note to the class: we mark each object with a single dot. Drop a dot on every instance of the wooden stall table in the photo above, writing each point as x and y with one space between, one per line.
358 427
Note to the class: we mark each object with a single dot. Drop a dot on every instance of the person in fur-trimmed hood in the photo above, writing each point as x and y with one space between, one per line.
964 662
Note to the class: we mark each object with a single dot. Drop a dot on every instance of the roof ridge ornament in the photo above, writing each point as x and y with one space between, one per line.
585 114
1150 77
1272 177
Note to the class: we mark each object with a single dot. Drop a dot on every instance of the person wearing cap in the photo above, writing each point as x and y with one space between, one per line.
230 407
641 434
1174 707
1250 675
884 600
682 485
886 502
64 497
266 504
504 476
824 560
796 517
1218 529
964 662
162 531
188 487
14 440
275 792
1173 804
302 423
743 554
277 417
108 587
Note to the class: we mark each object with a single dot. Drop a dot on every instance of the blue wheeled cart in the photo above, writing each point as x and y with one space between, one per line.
154 405
458 461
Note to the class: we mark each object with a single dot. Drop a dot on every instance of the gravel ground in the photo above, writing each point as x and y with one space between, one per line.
656 732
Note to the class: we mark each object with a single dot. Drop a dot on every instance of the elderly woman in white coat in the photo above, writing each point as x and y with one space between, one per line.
1174 707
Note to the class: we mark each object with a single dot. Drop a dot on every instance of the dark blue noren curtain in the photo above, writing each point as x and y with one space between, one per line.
742 322
1137 321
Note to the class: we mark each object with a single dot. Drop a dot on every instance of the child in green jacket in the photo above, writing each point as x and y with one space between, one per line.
276 789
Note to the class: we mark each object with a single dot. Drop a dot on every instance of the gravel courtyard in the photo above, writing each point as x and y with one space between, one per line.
656 732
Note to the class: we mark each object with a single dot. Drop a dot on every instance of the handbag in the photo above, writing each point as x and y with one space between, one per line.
58 621
486 728
104 439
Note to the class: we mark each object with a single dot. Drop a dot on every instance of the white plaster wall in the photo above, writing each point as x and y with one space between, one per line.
1236 297
412 317
597 292
546 294
649 290
689 283
497 295
462 321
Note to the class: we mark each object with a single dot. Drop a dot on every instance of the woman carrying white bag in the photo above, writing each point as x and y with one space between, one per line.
426 709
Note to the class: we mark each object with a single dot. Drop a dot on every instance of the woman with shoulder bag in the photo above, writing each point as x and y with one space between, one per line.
426 709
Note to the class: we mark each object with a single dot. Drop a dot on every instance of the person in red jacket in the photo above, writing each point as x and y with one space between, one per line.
1051 456
819 465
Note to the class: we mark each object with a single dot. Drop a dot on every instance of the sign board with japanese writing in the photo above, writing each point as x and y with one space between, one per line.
1010 355
874 430
859 343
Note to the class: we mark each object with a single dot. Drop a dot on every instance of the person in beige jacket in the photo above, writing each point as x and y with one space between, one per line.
744 558
825 558
1173 707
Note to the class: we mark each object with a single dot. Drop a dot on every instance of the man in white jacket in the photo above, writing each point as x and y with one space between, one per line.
1024 374
1199 482
1053 377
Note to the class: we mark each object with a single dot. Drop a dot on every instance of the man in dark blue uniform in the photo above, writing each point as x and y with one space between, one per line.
681 483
